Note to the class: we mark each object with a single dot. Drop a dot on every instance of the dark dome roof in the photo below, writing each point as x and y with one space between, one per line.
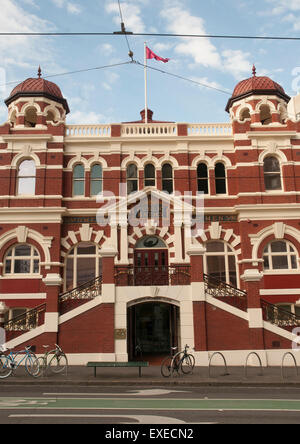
256 86
38 88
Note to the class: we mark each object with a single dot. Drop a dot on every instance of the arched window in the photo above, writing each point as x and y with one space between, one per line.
220 176
280 255
167 178
132 179
149 172
96 180
202 177
272 174
30 117
78 180
26 178
245 114
83 265
221 262
265 115
22 259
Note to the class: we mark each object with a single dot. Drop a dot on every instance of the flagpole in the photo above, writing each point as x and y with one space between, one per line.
146 84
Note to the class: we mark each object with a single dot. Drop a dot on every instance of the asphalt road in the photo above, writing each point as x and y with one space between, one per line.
131 406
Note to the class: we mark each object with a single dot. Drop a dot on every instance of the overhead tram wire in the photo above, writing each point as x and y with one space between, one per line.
183 78
126 33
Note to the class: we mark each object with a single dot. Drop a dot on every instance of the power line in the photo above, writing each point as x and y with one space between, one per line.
126 33
72 72
183 78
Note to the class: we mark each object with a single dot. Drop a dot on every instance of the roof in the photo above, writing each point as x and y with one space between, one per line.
38 87
256 86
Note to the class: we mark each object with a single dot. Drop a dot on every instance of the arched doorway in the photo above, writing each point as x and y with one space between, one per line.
153 328
151 260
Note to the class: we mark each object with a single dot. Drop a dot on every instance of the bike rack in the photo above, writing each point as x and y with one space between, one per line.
295 362
260 363
225 363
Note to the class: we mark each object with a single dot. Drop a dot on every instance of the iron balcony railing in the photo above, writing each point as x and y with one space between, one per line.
280 317
87 291
130 276
27 321
225 292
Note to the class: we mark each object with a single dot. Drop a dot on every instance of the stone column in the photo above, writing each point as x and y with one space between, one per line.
252 279
3 310
53 284
196 253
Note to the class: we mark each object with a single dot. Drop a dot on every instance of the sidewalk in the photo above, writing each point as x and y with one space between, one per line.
82 376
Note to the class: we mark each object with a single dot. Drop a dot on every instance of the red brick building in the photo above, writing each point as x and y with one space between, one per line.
138 276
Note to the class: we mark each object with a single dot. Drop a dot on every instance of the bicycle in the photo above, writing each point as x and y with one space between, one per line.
181 361
9 363
55 360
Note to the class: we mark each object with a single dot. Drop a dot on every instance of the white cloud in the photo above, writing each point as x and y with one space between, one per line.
87 118
131 12
71 7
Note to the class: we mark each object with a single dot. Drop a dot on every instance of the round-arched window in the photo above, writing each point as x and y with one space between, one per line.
280 255
22 259
221 262
83 264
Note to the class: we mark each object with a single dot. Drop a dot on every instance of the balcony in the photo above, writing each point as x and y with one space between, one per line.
130 276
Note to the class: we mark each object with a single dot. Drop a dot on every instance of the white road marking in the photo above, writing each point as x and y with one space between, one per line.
150 392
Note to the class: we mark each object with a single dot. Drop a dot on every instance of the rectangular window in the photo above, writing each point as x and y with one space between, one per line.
22 266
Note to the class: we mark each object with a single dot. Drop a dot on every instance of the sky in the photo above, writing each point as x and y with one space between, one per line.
114 95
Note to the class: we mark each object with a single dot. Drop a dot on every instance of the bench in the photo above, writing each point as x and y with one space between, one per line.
96 365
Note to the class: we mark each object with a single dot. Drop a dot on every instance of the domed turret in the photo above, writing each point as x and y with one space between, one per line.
256 86
38 87
36 101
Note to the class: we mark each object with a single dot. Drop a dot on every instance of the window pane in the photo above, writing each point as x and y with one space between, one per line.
203 186
8 266
86 270
272 181
84 249
294 262
132 186
202 170
26 186
23 250
96 172
216 267
27 169
70 274
22 266
280 262
96 187
266 263
167 186
232 271
215 247
36 266
271 165
78 189
149 171
167 171
78 172
132 172
279 247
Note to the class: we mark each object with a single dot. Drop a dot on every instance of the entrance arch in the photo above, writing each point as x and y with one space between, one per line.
153 328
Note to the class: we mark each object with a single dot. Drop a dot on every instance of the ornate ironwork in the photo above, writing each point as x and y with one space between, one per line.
131 276
87 291
27 321
278 316
225 292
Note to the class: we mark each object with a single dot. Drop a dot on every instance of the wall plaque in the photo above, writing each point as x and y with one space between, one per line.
121 333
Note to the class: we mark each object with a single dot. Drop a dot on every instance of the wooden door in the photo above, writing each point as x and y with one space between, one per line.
151 267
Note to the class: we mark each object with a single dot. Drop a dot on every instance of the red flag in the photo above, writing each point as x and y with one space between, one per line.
150 55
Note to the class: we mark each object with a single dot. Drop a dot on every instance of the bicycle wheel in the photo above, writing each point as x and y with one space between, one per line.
58 363
32 365
166 367
6 368
42 365
187 364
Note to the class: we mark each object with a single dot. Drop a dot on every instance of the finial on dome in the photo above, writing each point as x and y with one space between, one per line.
39 72
254 71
